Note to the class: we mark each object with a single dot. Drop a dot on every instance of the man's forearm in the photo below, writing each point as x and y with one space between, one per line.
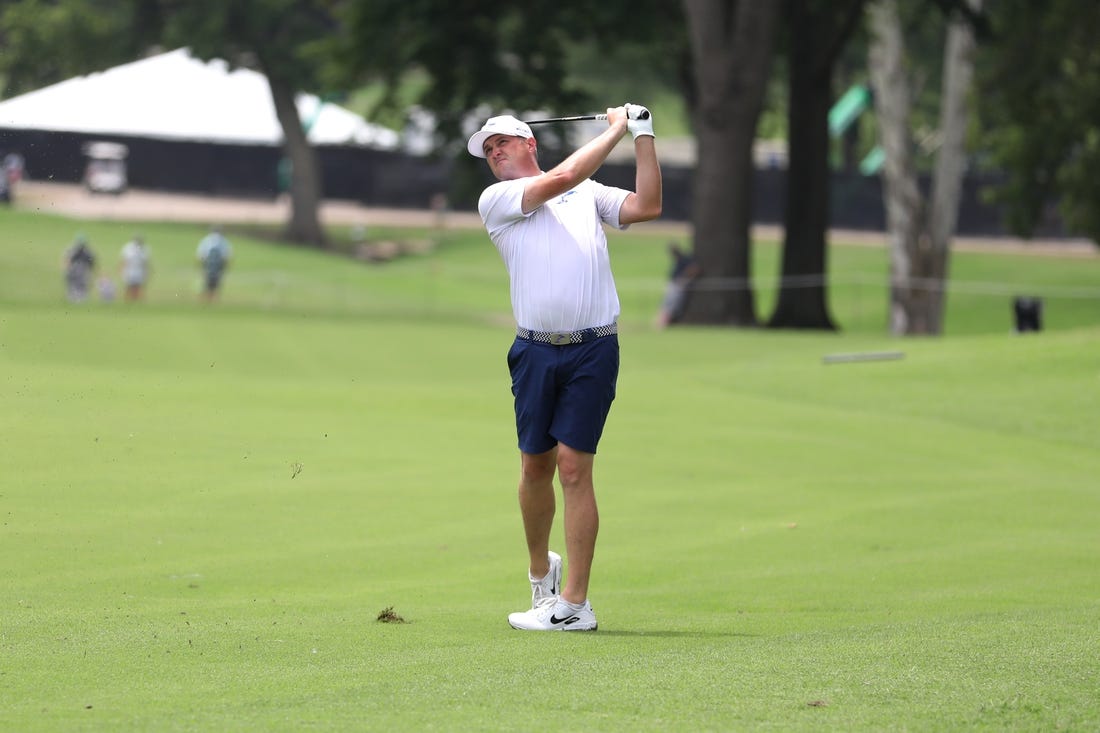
587 159
645 202
582 164
647 177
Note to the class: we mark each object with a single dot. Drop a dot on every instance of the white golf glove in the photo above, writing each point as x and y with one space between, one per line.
638 120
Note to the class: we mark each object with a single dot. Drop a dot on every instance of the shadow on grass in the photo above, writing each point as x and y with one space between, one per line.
677 634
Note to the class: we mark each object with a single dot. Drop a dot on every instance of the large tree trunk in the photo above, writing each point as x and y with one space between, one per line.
802 301
904 204
920 236
818 30
732 48
958 70
305 179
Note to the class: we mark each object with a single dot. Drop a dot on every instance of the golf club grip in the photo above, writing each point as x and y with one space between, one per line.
643 116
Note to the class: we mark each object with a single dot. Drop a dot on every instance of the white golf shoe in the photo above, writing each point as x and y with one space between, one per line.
554 614
548 586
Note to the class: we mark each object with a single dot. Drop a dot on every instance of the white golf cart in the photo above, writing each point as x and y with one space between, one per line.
106 168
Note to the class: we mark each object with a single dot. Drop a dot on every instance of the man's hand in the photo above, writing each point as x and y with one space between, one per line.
639 120
616 116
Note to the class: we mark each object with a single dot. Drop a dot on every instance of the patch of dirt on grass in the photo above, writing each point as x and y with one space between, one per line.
388 616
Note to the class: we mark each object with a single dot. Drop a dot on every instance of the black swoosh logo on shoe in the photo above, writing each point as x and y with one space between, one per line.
564 620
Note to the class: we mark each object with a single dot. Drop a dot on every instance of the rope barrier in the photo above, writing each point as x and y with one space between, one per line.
713 284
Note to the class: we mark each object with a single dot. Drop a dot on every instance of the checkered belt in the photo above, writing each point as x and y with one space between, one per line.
565 338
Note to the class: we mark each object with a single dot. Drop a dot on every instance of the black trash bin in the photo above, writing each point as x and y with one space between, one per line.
1029 313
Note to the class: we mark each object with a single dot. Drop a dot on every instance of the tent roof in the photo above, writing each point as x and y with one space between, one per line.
175 96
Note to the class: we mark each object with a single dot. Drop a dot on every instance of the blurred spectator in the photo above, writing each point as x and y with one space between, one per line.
11 171
214 253
684 269
79 265
135 267
106 287
13 168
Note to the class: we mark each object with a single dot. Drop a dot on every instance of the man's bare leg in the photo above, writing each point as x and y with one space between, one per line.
537 505
582 520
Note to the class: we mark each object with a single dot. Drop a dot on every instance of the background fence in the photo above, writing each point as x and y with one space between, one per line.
386 178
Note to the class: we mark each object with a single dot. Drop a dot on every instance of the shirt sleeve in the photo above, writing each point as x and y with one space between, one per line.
501 205
608 202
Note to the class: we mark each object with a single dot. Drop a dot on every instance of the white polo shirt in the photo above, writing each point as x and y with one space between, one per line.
556 256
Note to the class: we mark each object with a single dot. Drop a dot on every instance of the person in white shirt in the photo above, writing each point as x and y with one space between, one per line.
135 267
564 362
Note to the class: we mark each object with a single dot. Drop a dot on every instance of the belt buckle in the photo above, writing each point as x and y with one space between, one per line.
559 338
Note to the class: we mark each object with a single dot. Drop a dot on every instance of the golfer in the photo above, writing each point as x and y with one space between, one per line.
564 362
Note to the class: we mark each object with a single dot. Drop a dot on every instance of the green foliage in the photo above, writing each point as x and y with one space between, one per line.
468 55
388 107
649 73
1040 108
287 39
924 25
478 58
205 510
50 41
487 55
45 42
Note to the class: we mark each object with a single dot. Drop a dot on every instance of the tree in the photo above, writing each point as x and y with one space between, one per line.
818 30
284 39
482 56
731 45
920 230
1040 111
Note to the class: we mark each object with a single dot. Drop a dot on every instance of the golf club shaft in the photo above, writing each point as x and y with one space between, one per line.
579 118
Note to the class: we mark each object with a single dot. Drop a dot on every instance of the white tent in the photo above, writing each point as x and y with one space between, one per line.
174 96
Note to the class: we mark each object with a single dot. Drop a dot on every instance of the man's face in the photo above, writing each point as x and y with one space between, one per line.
510 156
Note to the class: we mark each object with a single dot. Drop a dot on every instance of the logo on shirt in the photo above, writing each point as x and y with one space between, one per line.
564 196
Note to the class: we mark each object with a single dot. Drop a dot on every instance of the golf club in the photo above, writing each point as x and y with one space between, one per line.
644 115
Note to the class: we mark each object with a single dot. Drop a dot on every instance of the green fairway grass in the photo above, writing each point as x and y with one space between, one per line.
204 509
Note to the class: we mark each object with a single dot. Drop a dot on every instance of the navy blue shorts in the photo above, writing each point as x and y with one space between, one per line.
563 393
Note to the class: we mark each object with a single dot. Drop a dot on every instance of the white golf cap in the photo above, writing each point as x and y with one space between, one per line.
502 125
